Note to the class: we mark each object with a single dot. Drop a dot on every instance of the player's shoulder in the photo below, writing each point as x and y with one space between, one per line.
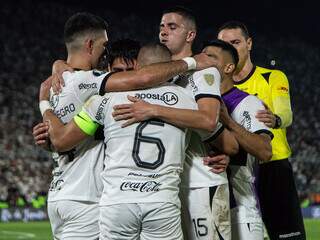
252 101
270 74
97 99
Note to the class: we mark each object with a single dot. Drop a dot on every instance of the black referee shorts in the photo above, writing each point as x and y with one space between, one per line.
279 201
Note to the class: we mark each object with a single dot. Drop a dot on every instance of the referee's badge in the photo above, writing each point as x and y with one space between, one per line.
209 79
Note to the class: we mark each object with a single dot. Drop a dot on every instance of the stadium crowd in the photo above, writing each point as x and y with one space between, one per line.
30 42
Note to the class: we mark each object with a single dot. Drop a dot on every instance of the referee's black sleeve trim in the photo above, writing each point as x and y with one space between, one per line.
266 132
197 97
102 89
215 135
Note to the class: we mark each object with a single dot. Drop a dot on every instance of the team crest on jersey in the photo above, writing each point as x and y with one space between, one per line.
168 98
54 100
209 79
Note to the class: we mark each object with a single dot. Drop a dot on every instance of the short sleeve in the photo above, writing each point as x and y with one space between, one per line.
246 116
206 83
95 107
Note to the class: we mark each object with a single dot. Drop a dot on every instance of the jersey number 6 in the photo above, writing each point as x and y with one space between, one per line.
140 138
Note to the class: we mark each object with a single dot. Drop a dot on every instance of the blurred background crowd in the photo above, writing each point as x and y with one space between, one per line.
31 39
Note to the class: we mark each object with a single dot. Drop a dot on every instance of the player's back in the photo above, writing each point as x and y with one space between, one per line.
144 160
87 157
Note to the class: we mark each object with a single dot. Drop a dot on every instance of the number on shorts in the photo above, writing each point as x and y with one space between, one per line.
200 228
140 138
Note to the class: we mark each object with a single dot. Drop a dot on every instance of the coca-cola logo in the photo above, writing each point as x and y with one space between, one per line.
149 186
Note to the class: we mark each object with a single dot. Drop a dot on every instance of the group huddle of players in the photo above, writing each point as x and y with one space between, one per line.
158 143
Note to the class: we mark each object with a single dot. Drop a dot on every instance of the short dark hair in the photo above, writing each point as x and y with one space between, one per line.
127 49
235 25
81 23
184 12
226 47
153 52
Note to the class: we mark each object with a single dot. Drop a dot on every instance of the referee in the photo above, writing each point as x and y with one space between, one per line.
276 187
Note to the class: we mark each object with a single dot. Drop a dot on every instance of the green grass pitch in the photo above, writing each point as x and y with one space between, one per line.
41 230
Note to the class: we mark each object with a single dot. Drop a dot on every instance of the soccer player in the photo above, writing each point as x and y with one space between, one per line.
123 55
254 139
72 210
143 162
205 195
276 187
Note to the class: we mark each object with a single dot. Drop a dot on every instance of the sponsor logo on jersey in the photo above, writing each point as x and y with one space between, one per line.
149 186
193 85
168 98
87 85
209 79
54 100
283 89
154 175
100 114
246 121
56 185
65 110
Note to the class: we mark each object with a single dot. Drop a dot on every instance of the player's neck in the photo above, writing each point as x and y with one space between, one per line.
187 52
244 72
79 62
226 85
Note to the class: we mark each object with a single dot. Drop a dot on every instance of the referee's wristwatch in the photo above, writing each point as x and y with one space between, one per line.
278 122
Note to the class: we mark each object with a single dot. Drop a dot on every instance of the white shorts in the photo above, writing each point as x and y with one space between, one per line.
143 221
74 220
247 231
206 213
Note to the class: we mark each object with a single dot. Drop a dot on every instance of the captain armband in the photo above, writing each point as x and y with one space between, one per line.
85 123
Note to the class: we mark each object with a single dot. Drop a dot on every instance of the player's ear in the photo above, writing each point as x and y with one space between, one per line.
249 43
191 36
88 45
229 68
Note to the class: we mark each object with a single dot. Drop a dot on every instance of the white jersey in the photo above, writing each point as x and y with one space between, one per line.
244 202
204 83
76 174
144 160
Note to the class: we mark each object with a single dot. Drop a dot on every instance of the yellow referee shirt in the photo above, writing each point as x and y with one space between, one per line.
272 87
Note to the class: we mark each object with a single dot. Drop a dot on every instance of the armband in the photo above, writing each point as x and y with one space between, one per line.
85 123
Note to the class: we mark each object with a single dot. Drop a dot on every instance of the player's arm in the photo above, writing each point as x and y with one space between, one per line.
147 76
63 137
281 117
257 143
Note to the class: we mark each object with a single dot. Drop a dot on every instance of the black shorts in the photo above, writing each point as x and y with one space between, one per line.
279 201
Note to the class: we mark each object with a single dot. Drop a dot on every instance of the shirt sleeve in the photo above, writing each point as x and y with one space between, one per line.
88 83
281 97
246 116
206 83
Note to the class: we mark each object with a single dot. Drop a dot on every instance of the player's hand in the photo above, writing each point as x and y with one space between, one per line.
267 117
45 86
217 163
41 135
137 111
204 61
59 66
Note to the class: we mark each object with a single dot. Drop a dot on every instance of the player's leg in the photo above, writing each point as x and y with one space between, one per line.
247 231
279 201
197 213
81 220
120 221
161 221
55 221
221 210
